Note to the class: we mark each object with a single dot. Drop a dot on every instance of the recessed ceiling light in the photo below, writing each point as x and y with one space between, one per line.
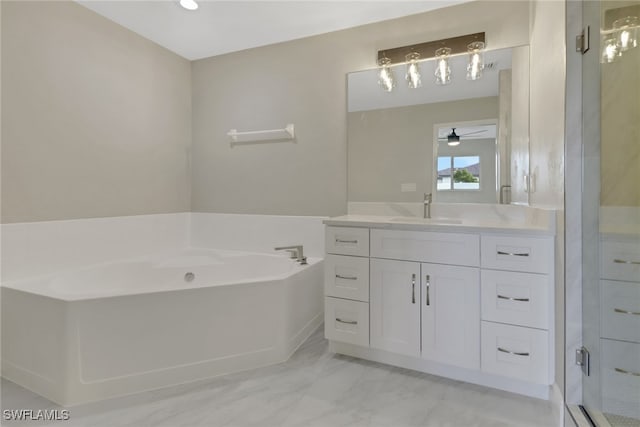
189 4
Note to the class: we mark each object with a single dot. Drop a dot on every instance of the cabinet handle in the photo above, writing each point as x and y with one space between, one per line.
413 289
353 242
348 322
428 285
622 371
624 261
515 353
619 310
338 276
514 299
513 253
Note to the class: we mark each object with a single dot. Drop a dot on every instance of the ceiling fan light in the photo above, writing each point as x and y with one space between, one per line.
453 142
453 139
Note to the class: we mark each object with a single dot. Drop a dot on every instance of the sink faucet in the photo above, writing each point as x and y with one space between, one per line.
427 205
296 252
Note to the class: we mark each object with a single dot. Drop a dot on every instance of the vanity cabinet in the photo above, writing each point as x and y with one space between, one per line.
466 305
516 298
451 315
346 285
395 306
620 324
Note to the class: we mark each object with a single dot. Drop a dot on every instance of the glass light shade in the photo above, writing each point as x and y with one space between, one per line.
476 60
413 70
610 50
385 75
627 30
443 71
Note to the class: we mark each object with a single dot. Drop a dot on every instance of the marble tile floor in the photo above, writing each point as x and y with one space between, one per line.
313 388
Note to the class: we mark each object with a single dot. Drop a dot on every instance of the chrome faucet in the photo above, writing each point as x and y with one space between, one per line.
427 205
296 253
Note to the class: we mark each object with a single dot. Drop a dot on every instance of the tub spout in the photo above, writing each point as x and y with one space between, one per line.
296 252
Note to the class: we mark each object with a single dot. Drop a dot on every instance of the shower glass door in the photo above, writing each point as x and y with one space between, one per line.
611 213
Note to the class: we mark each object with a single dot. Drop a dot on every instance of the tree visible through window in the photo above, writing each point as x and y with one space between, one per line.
458 173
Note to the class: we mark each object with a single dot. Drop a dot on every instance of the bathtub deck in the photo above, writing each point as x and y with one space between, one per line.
313 388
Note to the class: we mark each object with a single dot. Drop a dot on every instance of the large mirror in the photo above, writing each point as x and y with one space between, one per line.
401 144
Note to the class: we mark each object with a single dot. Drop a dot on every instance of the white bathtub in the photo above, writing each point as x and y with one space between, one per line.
126 327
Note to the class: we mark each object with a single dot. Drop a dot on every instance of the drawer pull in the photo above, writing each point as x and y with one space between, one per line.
514 299
622 371
513 253
619 310
351 242
428 278
348 322
338 276
515 353
624 261
413 289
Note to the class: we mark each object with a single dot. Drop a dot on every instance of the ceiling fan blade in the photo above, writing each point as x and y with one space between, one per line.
474 132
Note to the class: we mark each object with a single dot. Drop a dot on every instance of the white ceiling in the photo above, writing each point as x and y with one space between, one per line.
222 26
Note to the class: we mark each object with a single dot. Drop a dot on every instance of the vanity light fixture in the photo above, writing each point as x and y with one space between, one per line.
385 75
189 4
413 70
627 30
443 71
412 55
476 60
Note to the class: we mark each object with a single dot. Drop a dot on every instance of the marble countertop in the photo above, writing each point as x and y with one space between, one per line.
446 224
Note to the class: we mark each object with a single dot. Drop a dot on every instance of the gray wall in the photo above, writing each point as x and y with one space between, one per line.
96 119
303 82
392 146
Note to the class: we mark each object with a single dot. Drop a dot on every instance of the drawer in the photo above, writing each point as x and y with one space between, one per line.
620 260
515 253
516 298
438 248
515 352
620 378
620 310
346 277
347 241
346 321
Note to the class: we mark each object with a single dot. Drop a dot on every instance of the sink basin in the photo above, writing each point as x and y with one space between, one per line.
418 220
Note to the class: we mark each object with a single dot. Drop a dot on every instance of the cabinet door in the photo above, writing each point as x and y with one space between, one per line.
394 304
451 315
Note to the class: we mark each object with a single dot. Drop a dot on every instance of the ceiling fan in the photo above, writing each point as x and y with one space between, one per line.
453 138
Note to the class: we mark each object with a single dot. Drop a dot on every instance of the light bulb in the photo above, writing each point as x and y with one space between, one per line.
610 51
443 71
476 61
413 70
627 32
385 76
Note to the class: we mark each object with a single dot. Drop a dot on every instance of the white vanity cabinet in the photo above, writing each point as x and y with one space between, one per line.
517 274
462 304
395 306
620 324
451 315
346 285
